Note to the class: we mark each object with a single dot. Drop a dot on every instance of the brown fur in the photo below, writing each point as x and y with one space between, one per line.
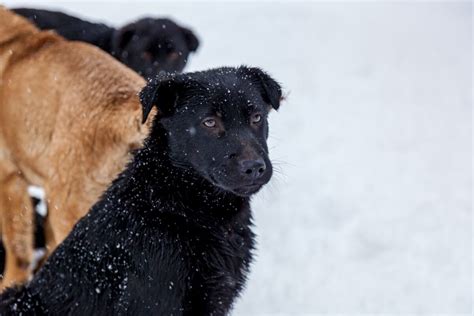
69 115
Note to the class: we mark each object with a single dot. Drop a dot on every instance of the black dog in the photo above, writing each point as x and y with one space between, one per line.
172 235
147 45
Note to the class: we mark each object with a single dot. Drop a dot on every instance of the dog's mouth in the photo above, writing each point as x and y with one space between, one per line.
247 190
244 190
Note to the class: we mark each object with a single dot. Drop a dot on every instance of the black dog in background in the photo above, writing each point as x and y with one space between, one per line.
147 45
172 235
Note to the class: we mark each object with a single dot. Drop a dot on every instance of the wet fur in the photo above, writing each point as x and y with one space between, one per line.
149 246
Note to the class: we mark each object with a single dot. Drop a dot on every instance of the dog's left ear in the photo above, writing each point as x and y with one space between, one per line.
191 39
161 92
269 88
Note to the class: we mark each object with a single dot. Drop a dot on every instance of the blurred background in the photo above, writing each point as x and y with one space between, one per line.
370 210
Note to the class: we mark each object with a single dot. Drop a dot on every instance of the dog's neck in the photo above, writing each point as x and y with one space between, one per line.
167 185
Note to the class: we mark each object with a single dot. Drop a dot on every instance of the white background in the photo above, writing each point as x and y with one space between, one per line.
370 210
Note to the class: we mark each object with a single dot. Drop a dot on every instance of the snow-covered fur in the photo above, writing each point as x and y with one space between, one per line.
171 235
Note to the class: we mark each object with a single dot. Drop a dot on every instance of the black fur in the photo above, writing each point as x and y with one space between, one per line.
172 234
148 45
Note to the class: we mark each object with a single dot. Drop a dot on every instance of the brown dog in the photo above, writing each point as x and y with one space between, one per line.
69 116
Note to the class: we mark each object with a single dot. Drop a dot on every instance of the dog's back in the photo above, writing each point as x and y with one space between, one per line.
61 86
69 26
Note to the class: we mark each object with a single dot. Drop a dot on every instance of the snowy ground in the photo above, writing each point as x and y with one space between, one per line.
371 210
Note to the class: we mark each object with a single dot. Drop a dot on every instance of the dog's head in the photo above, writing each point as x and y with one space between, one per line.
216 123
152 45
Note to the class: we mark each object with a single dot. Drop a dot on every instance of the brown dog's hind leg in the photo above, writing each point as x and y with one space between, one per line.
16 212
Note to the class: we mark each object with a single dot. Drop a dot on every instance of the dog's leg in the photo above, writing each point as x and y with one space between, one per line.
16 212
62 216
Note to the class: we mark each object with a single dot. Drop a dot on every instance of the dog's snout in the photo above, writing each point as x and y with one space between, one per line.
253 169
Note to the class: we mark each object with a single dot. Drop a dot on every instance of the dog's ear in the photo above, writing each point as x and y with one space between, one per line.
122 37
191 39
269 88
161 92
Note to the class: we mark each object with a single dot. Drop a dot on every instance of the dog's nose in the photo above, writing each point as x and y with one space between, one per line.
253 168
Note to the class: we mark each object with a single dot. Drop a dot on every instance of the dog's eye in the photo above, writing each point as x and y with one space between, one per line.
147 56
173 56
256 118
210 123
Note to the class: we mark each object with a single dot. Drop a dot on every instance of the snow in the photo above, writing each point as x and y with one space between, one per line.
370 210
38 193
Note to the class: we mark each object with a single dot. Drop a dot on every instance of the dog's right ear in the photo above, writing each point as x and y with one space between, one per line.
161 92
191 39
122 37
269 88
